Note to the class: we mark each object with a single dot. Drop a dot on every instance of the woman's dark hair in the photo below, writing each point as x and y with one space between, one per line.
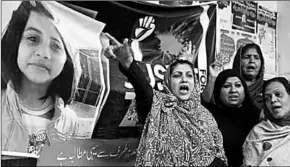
267 113
221 79
172 67
281 80
63 85
248 112
174 64
242 50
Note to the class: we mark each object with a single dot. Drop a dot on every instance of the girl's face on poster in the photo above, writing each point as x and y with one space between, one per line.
277 100
182 81
41 53
232 92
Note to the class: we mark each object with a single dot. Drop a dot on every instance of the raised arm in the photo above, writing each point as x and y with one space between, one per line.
135 75
207 94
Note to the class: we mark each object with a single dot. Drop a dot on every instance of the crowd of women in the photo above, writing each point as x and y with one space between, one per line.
240 120
247 123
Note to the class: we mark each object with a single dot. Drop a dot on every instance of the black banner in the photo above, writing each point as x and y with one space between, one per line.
159 33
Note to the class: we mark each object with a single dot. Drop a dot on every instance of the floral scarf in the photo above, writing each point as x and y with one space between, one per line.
178 133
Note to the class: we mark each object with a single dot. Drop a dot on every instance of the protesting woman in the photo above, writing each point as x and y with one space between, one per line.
234 112
268 144
249 63
178 130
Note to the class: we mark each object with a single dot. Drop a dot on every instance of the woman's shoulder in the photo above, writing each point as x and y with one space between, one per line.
259 129
160 94
213 108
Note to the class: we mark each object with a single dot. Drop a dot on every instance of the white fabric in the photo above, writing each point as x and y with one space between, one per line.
278 154
36 123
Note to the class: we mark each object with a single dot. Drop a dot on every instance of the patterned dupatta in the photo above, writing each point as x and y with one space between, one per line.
178 133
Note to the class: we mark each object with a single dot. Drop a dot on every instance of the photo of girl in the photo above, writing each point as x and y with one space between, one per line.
39 81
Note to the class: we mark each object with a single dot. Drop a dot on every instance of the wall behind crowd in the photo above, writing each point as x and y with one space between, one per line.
277 65
283 30
242 22
283 34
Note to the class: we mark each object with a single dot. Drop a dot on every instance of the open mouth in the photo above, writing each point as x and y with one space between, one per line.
276 108
251 67
233 97
184 89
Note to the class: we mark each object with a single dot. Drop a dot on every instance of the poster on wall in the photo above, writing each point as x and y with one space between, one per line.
229 41
93 152
249 22
226 47
243 38
266 32
85 44
224 14
244 16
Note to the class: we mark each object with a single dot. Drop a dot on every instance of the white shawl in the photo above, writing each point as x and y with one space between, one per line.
267 144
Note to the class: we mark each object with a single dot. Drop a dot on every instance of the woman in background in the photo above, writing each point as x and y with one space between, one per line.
234 113
249 63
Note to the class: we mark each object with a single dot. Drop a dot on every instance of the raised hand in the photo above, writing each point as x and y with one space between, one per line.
188 52
214 69
121 52
145 27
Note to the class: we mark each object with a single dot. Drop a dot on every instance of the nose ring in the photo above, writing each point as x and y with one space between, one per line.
36 53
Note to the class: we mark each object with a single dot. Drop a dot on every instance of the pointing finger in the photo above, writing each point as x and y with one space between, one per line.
112 39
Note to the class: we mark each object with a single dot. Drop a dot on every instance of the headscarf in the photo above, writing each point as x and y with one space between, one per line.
268 114
255 89
219 82
247 112
233 120
178 133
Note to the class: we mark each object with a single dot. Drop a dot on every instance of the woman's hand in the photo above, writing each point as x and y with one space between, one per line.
188 52
215 69
121 52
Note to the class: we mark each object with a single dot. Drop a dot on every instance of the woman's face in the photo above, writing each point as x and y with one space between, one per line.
41 53
232 92
182 81
277 100
251 63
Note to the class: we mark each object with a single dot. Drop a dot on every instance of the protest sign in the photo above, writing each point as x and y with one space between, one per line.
244 16
93 152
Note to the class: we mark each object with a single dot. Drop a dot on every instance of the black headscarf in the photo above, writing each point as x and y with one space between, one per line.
234 122
221 79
